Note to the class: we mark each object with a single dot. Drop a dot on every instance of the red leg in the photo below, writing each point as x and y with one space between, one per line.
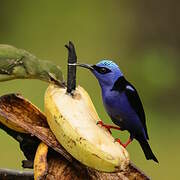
102 124
128 142
124 145
119 141
108 127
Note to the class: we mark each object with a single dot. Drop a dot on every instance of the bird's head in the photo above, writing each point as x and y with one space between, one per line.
106 71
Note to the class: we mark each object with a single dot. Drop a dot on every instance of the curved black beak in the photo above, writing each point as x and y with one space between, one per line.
88 66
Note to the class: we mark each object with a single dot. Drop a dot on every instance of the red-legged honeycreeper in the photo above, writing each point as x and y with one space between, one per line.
122 103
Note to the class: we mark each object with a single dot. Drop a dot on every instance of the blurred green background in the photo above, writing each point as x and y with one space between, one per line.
141 36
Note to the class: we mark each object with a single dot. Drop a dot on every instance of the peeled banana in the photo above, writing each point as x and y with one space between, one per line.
73 120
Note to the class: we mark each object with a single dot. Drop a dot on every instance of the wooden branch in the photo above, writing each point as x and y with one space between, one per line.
60 168
9 174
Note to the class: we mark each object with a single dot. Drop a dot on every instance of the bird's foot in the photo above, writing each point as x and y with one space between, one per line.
105 126
119 141
108 127
124 145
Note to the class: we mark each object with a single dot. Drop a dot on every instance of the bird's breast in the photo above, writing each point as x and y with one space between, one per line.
121 112
117 104
113 101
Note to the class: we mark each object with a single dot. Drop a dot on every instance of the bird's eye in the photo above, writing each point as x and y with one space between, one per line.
103 70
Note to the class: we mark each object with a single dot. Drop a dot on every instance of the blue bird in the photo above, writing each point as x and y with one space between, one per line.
122 104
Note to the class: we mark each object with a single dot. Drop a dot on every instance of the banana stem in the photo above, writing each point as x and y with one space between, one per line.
71 75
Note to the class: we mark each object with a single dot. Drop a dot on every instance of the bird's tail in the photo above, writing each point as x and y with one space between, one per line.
147 149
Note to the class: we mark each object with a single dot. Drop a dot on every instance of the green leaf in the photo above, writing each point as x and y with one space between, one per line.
20 64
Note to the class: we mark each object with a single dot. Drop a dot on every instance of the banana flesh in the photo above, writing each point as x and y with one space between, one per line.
73 121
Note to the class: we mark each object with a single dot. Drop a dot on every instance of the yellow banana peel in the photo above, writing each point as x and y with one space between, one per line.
73 121
16 110
40 162
11 125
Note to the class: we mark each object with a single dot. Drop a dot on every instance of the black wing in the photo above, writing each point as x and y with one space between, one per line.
123 85
136 104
